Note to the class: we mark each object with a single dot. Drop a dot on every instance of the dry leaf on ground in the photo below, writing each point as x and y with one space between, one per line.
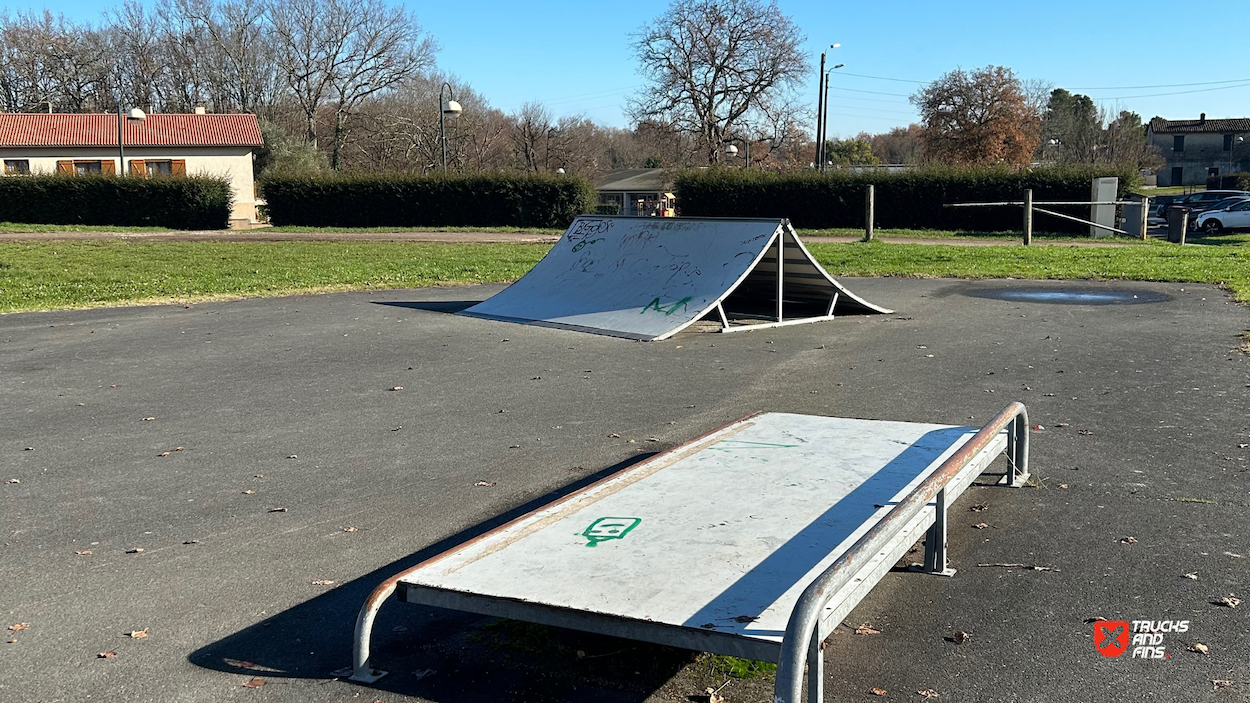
83 552
349 529
12 480
148 419
1128 540
961 637
136 550
1229 601
292 456
713 696
1192 576
248 492
877 691
928 693
107 655
866 629
979 508
19 626
614 435
395 388
1217 684
277 510
322 582
980 526
1200 648
138 634
485 484
255 682
163 454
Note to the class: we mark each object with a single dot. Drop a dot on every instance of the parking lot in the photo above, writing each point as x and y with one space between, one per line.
229 481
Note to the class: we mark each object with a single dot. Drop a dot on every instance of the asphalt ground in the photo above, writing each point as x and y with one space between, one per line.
293 463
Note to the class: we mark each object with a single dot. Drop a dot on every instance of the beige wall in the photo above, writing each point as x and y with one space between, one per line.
232 163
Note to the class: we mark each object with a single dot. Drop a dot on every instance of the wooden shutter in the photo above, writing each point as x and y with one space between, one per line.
65 168
108 167
178 167
138 167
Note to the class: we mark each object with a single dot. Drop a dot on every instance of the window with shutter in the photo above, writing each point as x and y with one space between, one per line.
138 167
108 167
178 167
65 167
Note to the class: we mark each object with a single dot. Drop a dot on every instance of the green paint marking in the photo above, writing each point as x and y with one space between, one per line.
584 242
655 305
606 528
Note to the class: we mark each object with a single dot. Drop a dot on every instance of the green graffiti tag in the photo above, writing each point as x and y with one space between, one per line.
669 310
606 528
584 242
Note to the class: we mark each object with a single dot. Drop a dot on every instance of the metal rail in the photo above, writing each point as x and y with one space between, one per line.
1018 203
802 640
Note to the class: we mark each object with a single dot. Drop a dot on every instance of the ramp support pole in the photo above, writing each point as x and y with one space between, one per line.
781 257
816 668
935 541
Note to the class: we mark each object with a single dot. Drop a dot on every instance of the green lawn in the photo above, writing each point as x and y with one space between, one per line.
1006 236
50 275
385 230
21 227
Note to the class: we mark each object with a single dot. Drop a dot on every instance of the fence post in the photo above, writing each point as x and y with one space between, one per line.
1028 217
1145 217
868 213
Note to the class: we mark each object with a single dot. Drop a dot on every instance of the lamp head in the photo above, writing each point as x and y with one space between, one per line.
731 151
136 115
451 108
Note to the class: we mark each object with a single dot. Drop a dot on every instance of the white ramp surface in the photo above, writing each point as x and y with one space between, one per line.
649 278
723 535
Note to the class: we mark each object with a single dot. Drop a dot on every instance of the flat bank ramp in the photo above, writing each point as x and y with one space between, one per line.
650 278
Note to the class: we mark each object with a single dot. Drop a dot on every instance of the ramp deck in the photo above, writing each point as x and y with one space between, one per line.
718 544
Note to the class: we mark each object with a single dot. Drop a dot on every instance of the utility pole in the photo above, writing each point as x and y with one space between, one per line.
820 110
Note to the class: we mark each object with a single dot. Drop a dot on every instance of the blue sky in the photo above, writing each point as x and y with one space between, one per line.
575 56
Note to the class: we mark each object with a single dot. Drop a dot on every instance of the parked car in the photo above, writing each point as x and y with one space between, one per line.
1234 216
1200 201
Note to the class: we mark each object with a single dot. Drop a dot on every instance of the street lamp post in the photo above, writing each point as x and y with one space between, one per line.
824 125
446 108
135 115
820 104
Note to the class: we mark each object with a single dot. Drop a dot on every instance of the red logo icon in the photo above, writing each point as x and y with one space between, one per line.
1111 637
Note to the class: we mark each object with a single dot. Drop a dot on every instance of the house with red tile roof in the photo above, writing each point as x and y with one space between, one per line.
1202 150
159 145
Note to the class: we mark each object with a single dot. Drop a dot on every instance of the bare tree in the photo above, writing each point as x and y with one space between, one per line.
713 64
340 52
530 132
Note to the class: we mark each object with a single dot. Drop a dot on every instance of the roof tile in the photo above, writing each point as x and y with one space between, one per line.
1237 124
75 130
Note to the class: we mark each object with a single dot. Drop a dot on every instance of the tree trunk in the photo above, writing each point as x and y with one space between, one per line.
336 149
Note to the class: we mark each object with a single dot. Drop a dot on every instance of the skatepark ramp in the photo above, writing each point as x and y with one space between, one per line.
649 279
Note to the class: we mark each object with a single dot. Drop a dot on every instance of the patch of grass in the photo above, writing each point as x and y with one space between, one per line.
389 230
21 227
1006 236
51 275
739 668
73 274
1154 261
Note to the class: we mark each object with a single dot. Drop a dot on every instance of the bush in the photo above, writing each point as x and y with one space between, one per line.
486 200
910 199
196 202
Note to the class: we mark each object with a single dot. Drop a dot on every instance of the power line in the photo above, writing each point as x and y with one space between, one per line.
882 78
1161 85
1178 92
870 92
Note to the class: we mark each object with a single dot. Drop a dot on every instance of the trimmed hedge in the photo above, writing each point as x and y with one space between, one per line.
197 202
487 200
910 199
